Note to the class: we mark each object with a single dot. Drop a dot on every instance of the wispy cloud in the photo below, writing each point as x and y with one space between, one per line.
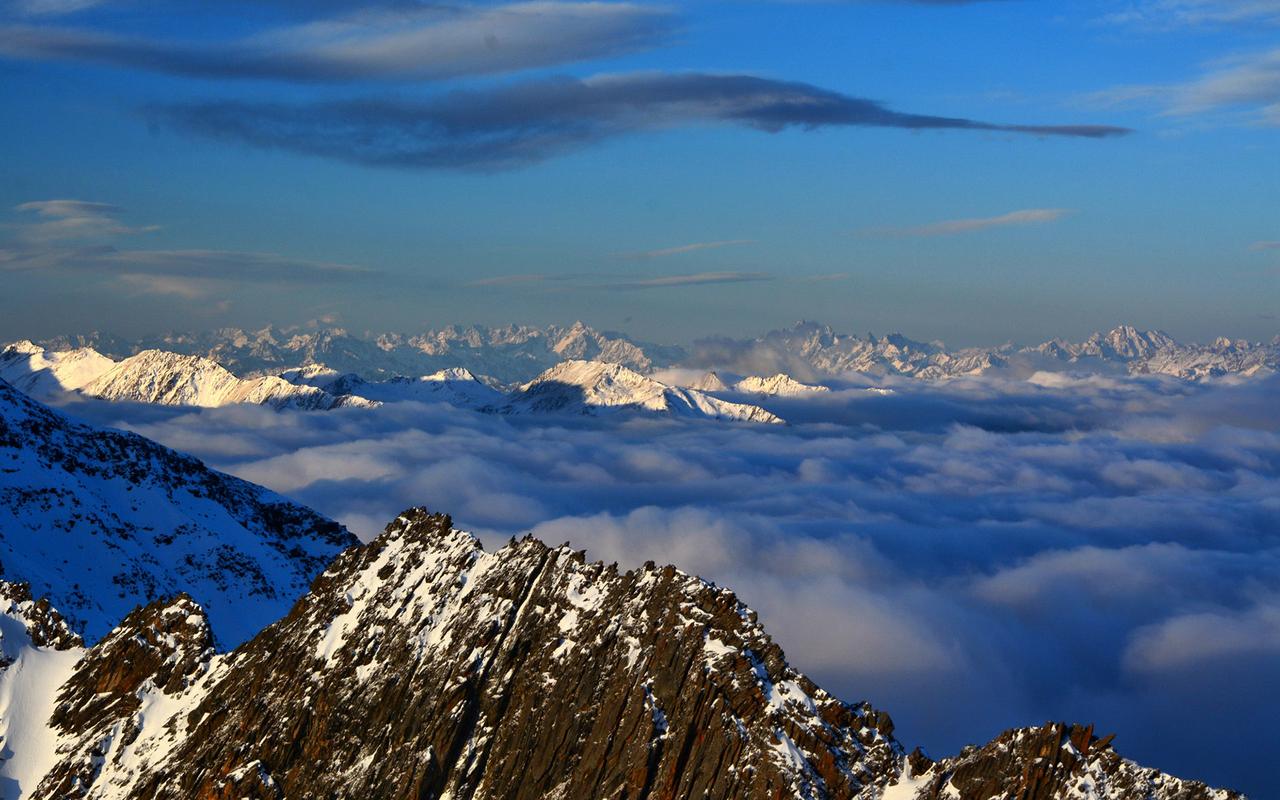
528 122
1169 14
696 279
1260 246
78 236
73 219
168 285
613 282
1029 216
1248 83
643 255
511 280
427 42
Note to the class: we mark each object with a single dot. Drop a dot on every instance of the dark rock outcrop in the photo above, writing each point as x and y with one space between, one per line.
420 666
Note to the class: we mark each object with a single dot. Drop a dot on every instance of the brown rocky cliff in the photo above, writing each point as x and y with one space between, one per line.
420 666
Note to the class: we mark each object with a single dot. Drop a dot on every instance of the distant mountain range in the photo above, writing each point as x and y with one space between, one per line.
581 388
621 377
515 354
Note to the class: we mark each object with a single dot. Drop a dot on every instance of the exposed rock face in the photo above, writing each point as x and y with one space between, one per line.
102 708
1049 762
420 666
100 521
41 623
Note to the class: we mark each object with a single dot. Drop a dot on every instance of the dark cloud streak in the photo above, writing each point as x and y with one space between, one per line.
533 121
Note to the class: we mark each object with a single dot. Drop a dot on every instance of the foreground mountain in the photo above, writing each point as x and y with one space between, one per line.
100 521
595 387
421 666
154 376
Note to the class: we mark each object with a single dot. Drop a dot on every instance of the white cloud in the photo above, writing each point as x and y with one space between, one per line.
683 249
1029 216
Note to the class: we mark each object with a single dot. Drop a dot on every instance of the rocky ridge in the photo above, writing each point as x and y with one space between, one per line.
421 666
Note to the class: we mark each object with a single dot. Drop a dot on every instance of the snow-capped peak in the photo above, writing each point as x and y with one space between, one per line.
710 382
589 387
158 376
781 385
46 373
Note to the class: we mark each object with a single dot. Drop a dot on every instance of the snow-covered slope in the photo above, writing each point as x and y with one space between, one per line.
456 386
46 373
421 666
156 376
780 385
511 353
594 387
100 521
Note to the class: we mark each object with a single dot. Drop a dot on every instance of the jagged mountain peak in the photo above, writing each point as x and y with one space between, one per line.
41 625
710 382
421 665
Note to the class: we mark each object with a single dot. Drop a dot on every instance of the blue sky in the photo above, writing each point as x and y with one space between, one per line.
668 170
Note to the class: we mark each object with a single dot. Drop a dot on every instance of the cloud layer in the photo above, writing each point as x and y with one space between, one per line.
427 42
969 555
531 121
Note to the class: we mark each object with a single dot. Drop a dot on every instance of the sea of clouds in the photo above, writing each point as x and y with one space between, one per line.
969 555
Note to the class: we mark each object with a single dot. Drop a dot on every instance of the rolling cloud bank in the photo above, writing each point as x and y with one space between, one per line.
979 552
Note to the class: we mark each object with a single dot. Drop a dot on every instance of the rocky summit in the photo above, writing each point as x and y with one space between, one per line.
421 666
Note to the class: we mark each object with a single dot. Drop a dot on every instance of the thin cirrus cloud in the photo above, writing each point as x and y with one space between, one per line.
80 236
696 279
645 255
1248 83
1258 247
60 220
619 283
1168 14
528 122
418 43
952 227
